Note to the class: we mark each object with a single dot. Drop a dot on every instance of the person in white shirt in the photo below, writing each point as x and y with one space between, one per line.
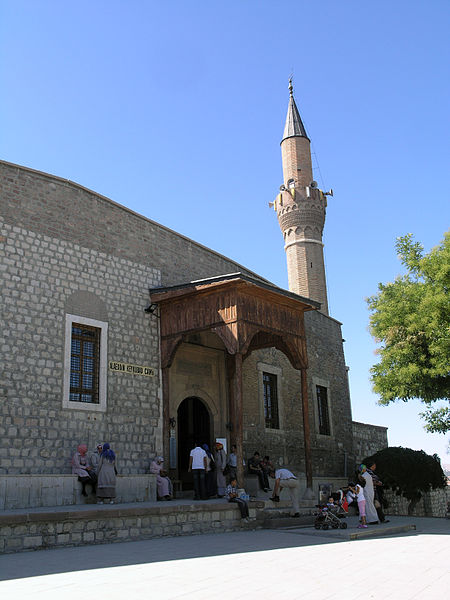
358 490
286 479
198 461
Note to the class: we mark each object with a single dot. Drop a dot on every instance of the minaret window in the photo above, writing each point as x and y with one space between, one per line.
270 387
322 410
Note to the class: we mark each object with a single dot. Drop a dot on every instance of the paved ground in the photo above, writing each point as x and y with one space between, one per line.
293 564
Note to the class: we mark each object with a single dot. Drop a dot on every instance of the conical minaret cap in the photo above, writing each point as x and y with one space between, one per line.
294 126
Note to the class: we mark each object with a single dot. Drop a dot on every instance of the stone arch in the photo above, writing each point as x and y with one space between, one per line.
308 232
194 424
86 304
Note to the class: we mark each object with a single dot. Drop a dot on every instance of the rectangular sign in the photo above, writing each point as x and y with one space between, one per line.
131 369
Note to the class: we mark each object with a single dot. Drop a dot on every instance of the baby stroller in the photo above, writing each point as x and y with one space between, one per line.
327 518
330 515
341 505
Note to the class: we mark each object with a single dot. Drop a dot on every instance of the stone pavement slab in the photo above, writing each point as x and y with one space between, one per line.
253 565
352 532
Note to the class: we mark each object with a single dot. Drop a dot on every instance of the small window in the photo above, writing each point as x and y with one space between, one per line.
84 364
270 401
322 410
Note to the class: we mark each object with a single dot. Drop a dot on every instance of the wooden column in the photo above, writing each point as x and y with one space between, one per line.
238 411
166 415
306 433
230 388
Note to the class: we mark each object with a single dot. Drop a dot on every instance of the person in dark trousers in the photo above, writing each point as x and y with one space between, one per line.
232 496
198 462
82 468
255 468
379 493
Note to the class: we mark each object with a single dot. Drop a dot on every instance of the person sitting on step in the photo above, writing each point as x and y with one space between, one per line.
164 489
82 468
255 468
232 496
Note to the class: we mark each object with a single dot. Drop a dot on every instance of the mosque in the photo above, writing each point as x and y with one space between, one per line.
116 328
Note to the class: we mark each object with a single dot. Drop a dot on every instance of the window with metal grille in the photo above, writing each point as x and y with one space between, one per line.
322 410
271 401
84 364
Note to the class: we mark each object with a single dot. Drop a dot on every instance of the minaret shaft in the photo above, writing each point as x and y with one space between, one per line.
301 209
296 157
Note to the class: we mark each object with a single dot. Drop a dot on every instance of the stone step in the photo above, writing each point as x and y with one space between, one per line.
288 522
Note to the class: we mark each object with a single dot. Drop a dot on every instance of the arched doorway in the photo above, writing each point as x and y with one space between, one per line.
193 426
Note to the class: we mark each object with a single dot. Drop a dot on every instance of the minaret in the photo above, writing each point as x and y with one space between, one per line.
301 209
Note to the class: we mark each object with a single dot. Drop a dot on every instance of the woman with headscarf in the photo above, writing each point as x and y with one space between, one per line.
106 476
369 495
164 490
221 463
81 467
211 487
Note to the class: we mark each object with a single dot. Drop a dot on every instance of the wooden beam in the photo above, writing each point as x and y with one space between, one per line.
306 432
239 409
166 415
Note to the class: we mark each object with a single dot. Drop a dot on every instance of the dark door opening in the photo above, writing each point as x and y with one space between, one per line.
193 426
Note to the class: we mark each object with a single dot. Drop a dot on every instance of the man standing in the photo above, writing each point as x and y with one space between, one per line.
232 463
378 492
197 464
285 479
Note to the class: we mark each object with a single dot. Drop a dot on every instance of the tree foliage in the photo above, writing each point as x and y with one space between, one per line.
410 473
410 318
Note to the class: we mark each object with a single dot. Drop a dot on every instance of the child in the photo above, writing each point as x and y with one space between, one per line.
350 496
330 503
231 495
359 492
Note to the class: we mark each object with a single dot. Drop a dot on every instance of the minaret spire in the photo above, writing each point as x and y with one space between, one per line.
294 126
301 209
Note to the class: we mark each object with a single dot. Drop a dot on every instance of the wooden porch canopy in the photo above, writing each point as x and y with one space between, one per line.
247 314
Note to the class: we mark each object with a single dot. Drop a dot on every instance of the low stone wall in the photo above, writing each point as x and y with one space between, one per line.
368 439
44 529
433 504
34 491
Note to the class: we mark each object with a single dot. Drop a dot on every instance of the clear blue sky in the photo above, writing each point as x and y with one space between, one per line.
176 110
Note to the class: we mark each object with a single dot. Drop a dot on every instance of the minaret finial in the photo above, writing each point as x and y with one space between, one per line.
291 88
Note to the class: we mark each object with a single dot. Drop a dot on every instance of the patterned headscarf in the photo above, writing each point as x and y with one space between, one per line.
362 468
107 453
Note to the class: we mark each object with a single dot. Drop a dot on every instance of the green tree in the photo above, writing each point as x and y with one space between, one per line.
410 318
410 473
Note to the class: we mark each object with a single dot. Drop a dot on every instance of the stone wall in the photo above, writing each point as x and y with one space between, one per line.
285 445
38 530
432 504
43 279
56 207
30 491
333 454
66 250
368 439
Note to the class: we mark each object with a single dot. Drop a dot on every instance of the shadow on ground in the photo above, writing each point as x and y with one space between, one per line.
85 558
